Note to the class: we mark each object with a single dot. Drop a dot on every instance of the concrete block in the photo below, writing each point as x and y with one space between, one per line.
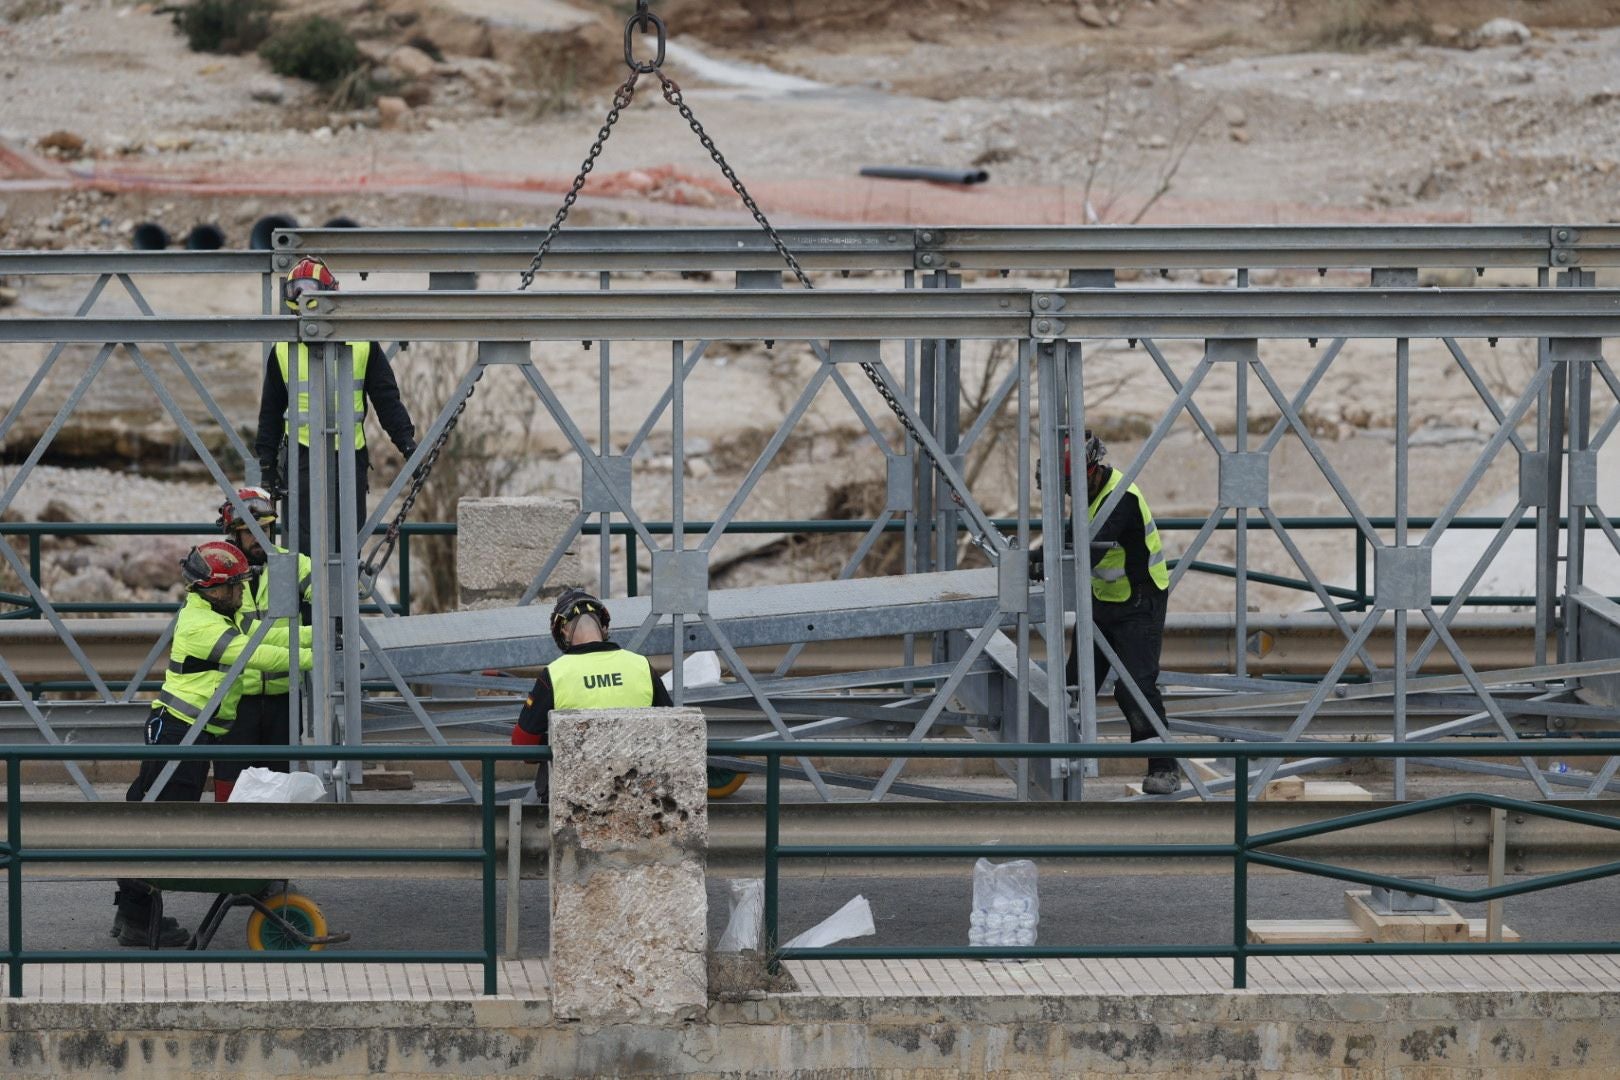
629 840
503 541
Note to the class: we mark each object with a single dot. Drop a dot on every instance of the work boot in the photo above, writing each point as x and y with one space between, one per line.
134 934
120 921
1161 782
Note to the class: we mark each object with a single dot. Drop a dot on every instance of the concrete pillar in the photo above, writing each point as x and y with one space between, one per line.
629 844
503 541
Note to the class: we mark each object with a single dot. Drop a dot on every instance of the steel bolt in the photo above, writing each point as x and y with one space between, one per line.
927 238
1468 820
1043 326
927 260
1562 256
1518 819
1043 302
1563 234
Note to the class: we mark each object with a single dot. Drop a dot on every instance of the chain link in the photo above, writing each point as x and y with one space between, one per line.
621 101
382 549
672 94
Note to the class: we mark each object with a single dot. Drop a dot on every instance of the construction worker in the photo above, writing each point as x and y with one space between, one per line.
591 673
262 712
208 640
373 381
1129 597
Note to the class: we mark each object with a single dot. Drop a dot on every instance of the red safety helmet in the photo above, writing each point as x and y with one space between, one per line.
258 503
570 606
215 562
315 277
1095 453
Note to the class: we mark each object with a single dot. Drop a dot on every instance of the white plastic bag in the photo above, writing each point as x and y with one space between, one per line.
699 669
263 785
747 915
852 920
1006 904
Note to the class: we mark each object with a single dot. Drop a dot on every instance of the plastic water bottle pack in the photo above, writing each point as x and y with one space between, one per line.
1006 903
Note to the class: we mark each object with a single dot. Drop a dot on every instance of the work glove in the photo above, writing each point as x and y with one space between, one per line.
270 478
408 447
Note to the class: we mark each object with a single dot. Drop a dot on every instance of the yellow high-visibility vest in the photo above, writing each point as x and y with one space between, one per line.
1108 581
362 355
609 679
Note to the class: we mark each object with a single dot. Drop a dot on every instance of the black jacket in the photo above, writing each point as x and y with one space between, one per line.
382 390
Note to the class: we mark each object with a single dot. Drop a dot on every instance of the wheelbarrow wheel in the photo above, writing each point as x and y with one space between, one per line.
723 783
300 912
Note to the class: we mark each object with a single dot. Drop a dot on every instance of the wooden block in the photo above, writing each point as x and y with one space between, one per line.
1285 788
1319 791
380 779
1305 931
1206 769
1443 925
1476 931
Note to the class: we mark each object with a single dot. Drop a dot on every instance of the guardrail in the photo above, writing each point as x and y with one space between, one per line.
1244 849
14 854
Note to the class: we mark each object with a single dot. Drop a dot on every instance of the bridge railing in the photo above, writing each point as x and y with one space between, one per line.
1245 849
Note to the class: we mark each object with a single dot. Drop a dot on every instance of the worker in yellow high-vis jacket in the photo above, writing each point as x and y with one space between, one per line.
208 640
591 673
289 366
263 712
1130 585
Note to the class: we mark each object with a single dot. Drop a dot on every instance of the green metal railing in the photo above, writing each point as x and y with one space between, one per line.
1245 848
1357 597
13 856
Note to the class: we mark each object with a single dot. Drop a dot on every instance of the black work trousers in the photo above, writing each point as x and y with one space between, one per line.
1134 629
362 485
134 898
261 720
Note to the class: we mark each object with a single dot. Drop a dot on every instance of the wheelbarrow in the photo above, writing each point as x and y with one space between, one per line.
281 920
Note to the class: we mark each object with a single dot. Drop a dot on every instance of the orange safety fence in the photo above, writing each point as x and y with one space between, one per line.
847 199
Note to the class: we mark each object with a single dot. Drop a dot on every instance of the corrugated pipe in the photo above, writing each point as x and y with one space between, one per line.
149 236
932 175
259 238
205 237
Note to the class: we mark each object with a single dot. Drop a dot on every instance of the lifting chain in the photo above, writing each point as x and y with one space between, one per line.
382 548
644 20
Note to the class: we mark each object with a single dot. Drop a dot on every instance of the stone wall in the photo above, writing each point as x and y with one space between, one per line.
1250 1036
503 541
629 835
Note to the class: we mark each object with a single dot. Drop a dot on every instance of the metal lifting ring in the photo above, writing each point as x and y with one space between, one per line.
643 20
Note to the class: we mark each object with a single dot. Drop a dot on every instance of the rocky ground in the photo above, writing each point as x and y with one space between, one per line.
476 112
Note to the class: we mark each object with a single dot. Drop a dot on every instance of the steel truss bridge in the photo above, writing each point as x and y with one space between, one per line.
1234 368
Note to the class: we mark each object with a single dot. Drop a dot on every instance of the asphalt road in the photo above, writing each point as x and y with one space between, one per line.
1115 910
